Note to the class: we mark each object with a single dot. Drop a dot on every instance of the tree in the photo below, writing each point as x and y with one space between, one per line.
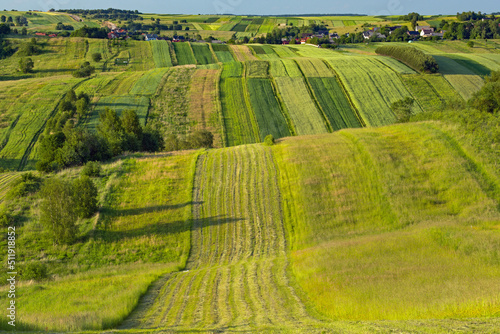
201 138
24 31
57 211
85 193
402 109
85 70
470 44
3 18
488 97
26 65
110 128
96 57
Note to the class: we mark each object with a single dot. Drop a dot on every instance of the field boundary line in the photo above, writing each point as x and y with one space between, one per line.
346 93
251 111
194 56
173 56
218 103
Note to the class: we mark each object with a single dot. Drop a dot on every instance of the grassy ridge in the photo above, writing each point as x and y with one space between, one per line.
237 267
398 224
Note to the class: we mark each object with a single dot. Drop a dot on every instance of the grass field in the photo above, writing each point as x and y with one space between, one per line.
202 53
463 79
170 107
232 70
285 68
148 83
237 270
140 104
184 54
28 120
5 180
267 109
314 67
334 103
400 227
141 55
161 54
305 117
242 52
142 231
256 69
372 86
223 54
204 105
239 121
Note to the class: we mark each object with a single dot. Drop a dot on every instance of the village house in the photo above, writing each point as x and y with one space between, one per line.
370 33
413 34
118 33
419 28
150 37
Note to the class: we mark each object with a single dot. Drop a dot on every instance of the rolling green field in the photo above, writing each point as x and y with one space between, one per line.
347 224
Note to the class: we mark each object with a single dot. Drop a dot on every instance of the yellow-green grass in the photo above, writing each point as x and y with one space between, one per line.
223 54
161 53
202 53
443 87
239 122
99 83
333 102
314 67
372 86
396 65
48 21
103 47
470 63
141 55
142 230
490 61
256 69
285 68
232 70
28 120
267 26
465 81
237 269
305 116
149 82
242 25
267 109
423 92
170 108
402 225
242 52
313 51
66 304
138 103
184 53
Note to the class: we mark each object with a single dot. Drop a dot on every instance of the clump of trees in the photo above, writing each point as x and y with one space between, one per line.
97 57
63 203
90 32
198 139
488 97
30 48
410 56
26 65
62 26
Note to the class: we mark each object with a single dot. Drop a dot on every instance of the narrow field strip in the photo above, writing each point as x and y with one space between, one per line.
149 82
305 116
161 54
202 53
184 53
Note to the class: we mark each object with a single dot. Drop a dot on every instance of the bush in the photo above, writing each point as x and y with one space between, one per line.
85 70
269 140
85 196
201 138
410 56
488 97
26 65
96 57
91 169
27 184
34 270
402 109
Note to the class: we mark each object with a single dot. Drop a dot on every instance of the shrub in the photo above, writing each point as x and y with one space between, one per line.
34 270
85 193
96 57
410 56
27 184
91 169
26 65
488 97
402 109
269 140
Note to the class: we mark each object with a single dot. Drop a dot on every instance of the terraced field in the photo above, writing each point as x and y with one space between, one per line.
161 53
372 86
202 53
236 274
184 53
305 117
267 109
30 121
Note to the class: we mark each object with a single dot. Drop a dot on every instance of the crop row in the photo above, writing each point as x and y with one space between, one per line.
161 53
